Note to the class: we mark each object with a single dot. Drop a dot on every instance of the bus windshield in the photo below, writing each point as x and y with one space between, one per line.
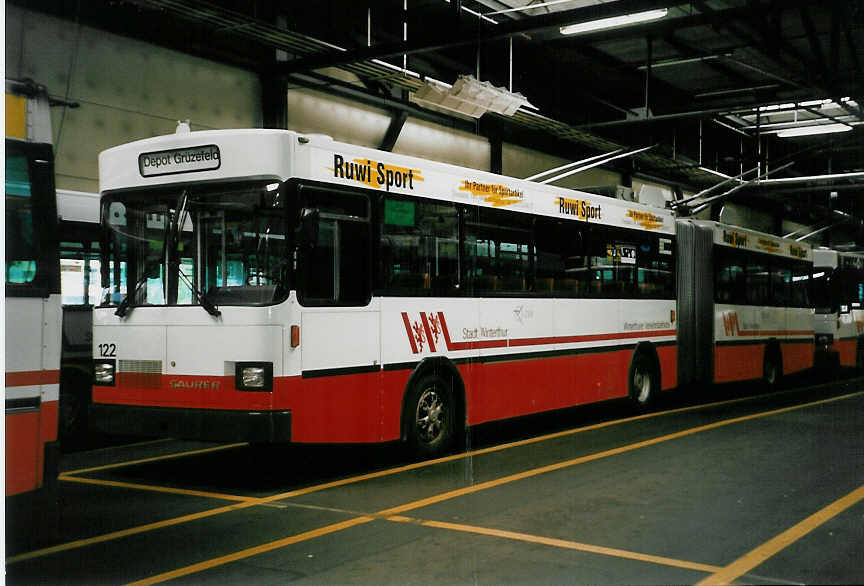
207 244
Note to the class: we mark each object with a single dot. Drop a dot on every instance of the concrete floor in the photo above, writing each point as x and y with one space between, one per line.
723 485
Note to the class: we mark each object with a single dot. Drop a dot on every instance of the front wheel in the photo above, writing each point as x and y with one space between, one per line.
643 381
430 417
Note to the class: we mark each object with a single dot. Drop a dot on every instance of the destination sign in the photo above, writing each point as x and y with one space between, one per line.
190 160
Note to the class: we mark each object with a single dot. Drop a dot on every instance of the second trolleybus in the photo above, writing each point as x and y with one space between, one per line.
31 317
270 286
838 279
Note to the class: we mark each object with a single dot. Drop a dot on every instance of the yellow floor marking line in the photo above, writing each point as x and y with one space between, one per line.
773 546
320 487
126 532
597 456
68 476
246 502
502 447
153 488
398 510
560 543
206 565
155 459
163 440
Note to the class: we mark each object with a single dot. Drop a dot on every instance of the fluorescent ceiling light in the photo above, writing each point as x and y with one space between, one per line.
614 21
816 129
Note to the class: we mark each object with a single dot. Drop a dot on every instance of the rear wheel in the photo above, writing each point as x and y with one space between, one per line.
430 416
644 381
772 369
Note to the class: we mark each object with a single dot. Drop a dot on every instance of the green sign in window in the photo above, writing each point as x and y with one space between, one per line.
399 213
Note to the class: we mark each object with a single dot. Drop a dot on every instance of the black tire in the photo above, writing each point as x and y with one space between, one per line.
859 357
772 368
430 416
643 381
74 425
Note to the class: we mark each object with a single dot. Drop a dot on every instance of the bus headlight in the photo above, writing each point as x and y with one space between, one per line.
103 372
253 376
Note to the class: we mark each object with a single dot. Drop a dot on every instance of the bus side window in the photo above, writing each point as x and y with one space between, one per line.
419 248
21 242
730 276
336 270
498 251
781 282
801 285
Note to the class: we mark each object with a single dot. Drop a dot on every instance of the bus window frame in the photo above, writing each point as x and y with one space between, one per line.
296 202
40 166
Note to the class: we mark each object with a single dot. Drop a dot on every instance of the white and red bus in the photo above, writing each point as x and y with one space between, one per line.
32 312
839 301
270 286
744 303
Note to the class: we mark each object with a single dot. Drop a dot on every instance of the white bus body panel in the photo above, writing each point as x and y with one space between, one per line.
244 154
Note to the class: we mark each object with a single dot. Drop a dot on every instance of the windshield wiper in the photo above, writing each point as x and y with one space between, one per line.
209 307
126 303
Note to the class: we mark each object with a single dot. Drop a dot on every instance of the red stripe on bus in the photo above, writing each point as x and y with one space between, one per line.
367 407
504 343
408 331
26 378
590 338
797 357
846 351
746 362
775 332
26 436
23 457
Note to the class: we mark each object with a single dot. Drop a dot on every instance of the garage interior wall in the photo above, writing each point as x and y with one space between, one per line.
127 89
313 111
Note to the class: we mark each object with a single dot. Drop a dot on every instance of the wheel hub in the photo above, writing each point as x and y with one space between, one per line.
430 416
642 383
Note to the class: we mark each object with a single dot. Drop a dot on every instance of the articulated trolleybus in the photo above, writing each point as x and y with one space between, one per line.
267 286
32 313
839 300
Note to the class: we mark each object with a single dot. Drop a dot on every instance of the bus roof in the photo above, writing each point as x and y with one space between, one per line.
221 155
753 240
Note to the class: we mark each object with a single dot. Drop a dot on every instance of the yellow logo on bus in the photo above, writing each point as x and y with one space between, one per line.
496 194
583 210
647 220
767 245
374 174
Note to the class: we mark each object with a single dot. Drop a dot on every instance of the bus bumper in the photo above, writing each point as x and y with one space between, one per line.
204 424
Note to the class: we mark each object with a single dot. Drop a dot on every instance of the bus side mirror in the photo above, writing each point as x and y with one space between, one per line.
308 231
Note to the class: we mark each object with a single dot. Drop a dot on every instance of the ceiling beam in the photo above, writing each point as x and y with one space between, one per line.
711 62
815 45
486 34
771 45
394 129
